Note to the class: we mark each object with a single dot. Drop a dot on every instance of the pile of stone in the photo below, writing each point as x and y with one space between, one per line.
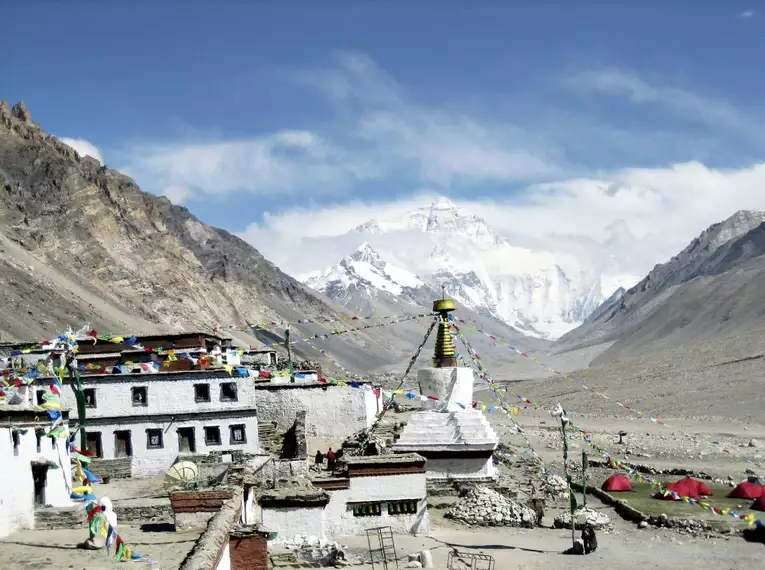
319 551
486 507
556 486
583 515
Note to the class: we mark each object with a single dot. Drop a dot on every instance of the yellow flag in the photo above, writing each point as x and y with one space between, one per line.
229 369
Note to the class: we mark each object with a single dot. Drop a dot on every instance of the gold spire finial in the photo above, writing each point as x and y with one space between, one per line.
445 352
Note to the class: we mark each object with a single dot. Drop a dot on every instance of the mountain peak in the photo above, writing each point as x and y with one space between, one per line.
441 216
365 253
443 203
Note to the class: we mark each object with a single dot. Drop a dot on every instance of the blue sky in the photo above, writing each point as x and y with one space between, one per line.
292 117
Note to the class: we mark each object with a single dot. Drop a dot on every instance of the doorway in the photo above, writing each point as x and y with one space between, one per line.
40 477
186 443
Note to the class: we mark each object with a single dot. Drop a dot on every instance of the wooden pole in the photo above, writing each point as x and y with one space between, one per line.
289 355
584 479
571 499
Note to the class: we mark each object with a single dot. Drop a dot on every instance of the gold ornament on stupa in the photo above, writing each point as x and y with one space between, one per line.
445 354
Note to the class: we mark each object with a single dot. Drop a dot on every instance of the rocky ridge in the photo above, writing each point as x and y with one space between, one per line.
81 243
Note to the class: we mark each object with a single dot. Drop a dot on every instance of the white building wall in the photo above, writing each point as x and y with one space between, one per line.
451 385
147 462
468 469
290 522
166 394
17 497
333 413
339 519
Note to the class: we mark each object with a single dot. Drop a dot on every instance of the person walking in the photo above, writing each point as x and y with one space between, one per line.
331 458
319 459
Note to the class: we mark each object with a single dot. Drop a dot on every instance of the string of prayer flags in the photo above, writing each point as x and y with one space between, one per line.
584 386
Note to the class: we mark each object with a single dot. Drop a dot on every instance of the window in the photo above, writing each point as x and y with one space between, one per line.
94 443
186 442
212 435
90 397
16 440
40 399
139 396
38 435
238 435
366 509
201 392
123 446
154 439
407 507
228 392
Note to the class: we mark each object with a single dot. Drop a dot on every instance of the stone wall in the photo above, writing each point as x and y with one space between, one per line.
139 514
113 468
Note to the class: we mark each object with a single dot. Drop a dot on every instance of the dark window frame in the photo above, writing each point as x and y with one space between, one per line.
201 398
154 431
139 390
99 442
232 385
129 441
39 397
192 439
92 391
231 430
212 430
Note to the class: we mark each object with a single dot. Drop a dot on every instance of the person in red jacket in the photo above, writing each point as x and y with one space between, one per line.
331 458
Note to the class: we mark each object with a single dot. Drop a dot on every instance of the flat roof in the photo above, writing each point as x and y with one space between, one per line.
385 459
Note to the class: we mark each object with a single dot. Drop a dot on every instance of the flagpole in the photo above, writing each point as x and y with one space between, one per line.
560 413
289 354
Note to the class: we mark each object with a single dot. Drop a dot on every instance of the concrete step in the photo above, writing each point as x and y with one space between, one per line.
50 518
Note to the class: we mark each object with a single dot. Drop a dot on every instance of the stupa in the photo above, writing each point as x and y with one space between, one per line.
456 439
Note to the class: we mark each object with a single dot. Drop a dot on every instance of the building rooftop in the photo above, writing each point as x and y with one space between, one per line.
386 459
33 413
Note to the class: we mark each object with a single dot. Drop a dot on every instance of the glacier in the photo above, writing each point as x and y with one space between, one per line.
411 258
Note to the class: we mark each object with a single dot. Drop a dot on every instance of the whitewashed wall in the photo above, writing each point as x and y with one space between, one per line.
290 522
17 484
148 462
339 519
333 413
470 469
167 393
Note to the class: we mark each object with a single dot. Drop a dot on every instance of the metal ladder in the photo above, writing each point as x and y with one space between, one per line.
384 547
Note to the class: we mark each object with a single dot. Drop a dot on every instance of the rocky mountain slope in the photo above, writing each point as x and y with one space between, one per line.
80 243
711 289
539 293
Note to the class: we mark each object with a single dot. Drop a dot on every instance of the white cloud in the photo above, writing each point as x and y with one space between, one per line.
746 14
282 162
84 148
704 110
177 193
665 208
378 133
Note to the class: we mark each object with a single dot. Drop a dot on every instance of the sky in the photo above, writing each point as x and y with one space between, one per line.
294 120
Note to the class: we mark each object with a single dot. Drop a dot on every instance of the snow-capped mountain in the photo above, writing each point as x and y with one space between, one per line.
409 259
364 276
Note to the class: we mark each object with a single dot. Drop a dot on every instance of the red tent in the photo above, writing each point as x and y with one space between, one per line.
687 487
617 482
759 503
747 490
